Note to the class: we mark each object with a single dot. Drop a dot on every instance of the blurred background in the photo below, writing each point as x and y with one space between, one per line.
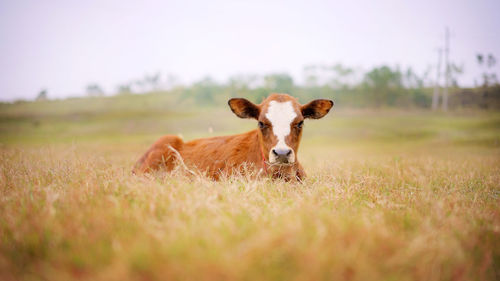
363 53
77 69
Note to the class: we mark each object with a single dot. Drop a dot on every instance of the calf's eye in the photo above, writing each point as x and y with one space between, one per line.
300 124
261 125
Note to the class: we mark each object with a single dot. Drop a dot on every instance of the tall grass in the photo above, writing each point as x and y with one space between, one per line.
389 196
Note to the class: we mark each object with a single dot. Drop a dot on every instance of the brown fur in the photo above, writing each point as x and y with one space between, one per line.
227 155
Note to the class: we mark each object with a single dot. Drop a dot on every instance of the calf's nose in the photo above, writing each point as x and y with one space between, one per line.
282 154
282 151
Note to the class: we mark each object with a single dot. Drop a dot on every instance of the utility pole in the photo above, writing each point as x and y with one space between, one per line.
435 96
447 68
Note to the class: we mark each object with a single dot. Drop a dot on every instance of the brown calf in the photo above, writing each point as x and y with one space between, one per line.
269 150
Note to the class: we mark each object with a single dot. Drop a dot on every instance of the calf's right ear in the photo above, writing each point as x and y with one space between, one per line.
244 108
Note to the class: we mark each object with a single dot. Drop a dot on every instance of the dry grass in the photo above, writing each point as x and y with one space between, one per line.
390 196
68 212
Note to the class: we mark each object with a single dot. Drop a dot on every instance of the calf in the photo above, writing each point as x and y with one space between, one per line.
269 150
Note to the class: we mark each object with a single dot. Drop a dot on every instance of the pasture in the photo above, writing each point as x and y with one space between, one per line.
390 195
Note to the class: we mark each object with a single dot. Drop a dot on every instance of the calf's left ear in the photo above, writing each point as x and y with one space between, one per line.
316 109
244 108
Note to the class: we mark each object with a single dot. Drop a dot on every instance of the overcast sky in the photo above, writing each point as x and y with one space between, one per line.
65 45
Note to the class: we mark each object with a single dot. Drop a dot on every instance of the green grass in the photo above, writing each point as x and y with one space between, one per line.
390 195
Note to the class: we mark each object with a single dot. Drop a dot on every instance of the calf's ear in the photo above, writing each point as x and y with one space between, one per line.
316 109
244 108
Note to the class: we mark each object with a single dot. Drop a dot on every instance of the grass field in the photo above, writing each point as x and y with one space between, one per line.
390 195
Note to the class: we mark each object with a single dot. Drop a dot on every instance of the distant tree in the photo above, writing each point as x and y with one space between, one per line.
490 87
124 89
413 91
140 86
455 71
341 76
205 90
171 81
239 85
94 90
486 63
411 80
311 76
42 95
152 81
279 83
383 85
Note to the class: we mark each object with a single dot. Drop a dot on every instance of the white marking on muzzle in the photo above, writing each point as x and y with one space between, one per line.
281 115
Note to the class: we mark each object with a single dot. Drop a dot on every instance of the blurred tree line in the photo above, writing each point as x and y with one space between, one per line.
382 86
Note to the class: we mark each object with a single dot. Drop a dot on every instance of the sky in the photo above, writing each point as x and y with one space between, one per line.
63 46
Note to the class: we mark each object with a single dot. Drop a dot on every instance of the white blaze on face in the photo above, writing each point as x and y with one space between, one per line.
281 115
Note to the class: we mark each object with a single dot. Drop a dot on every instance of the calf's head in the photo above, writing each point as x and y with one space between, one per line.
280 121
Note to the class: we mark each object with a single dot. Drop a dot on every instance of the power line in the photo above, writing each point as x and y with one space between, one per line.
447 68
435 96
